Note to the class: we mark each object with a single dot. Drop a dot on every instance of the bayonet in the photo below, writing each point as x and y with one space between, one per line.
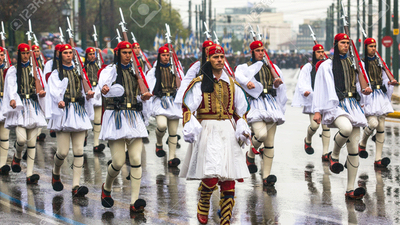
362 30
133 38
2 33
61 36
207 32
252 32
95 33
122 23
312 33
259 35
216 41
119 38
35 40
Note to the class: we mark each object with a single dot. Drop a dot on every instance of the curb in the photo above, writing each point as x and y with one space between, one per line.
395 114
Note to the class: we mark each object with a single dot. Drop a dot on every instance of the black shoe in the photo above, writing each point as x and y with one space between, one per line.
41 137
53 134
269 181
307 147
145 140
79 191
251 164
174 162
5 170
56 183
138 206
99 148
33 179
335 166
106 199
160 151
16 165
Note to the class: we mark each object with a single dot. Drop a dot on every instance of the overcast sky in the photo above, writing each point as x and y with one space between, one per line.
295 11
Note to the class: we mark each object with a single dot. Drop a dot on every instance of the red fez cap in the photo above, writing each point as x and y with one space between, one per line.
124 45
35 47
256 44
90 49
23 47
207 44
216 49
369 41
341 36
135 44
317 47
115 49
163 50
1 49
58 46
65 47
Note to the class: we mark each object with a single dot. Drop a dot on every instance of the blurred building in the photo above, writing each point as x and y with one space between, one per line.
271 23
304 39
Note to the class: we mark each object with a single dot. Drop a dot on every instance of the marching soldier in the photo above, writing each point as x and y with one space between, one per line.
70 118
303 96
267 97
377 105
215 156
23 111
123 124
142 61
336 104
39 61
163 84
4 133
92 69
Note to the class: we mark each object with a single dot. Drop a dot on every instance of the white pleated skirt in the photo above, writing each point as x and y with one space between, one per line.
379 104
74 119
165 106
122 124
215 154
30 117
265 109
349 108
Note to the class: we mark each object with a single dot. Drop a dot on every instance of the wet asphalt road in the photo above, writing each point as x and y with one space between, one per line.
306 192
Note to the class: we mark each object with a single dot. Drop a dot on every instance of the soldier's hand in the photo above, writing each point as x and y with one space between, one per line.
307 93
366 91
317 117
61 104
146 96
13 104
89 94
277 82
42 93
105 90
393 82
250 85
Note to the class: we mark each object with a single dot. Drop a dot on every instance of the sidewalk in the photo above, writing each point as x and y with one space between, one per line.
395 103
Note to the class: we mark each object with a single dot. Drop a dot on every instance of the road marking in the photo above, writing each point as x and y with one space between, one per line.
42 218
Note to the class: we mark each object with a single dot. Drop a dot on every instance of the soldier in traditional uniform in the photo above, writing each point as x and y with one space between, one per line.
215 156
378 104
143 63
23 111
336 104
123 124
303 96
70 115
4 133
92 69
164 85
267 97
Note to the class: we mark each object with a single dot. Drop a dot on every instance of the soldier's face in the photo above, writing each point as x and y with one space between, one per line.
343 46
57 53
136 49
2 56
217 61
259 53
67 56
91 56
164 58
126 55
319 54
25 56
371 48
37 53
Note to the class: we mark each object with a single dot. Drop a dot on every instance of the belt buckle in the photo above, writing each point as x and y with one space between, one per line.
378 86
94 83
168 94
1 94
27 96
265 91
128 105
350 94
72 99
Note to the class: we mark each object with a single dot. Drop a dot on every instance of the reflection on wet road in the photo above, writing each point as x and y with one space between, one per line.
306 191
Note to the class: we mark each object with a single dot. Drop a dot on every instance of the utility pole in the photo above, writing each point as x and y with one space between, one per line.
379 44
333 25
111 23
210 22
82 24
101 26
190 17
197 24
358 25
395 43
348 15
370 18
338 17
388 18
327 24
363 15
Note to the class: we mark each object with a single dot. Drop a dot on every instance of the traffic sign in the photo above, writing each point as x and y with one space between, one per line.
399 47
396 31
387 41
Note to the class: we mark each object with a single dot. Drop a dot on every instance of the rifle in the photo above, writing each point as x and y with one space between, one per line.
354 56
315 39
77 60
38 83
266 58
100 60
61 36
136 68
141 52
7 59
41 54
227 67
381 63
174 63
